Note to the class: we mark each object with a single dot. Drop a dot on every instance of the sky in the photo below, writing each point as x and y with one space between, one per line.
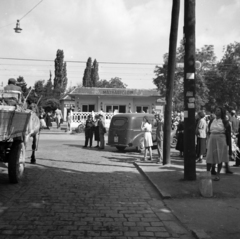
127 37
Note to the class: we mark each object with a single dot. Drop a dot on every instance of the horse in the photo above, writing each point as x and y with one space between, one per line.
33 129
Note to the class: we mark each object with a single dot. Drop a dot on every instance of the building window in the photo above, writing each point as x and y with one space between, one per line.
88 108
140 109
119 108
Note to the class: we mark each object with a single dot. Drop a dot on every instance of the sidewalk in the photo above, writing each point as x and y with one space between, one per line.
216 217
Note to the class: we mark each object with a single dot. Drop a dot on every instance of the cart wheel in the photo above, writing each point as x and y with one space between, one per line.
80 128
16 162
140 147
174 143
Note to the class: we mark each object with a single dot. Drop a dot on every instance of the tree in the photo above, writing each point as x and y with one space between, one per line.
87 82
94 73
48 88
113 83
60 80
51 105
206 56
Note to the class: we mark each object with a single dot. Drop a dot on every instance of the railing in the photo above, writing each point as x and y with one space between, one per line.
78 118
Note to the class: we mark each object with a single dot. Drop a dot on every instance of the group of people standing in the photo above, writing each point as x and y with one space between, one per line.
214 137
97 128
46 118
148 143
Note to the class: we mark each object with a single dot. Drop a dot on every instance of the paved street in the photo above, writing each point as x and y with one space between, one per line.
74 192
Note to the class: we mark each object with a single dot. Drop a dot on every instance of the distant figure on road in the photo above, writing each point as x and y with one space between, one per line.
89 127
102 131
96 131
48 119
69 120
58 116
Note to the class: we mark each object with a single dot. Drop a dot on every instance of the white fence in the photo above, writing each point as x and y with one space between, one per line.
81 117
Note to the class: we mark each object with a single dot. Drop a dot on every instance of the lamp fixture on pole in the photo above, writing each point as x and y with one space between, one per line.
17 28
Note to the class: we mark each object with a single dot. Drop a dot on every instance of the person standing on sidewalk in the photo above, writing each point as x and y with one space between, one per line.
201 133
219 145
159 136
180 135
102 131
96 130
147 128
89 127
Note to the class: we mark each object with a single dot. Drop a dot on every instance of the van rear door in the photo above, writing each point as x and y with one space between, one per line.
118 132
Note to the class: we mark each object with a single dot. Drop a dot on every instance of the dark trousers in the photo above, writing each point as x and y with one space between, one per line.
88 136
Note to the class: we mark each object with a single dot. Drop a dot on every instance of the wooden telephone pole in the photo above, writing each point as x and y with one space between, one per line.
170 81
189 91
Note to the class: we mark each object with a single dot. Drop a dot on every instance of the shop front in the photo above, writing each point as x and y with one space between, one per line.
115 100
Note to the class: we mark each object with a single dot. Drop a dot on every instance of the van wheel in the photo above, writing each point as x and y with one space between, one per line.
120 148
140 147
174 143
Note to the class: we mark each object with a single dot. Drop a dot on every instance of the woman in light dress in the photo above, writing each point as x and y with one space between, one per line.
147 128
220 144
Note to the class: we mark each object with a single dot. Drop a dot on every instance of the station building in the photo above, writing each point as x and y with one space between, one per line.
110 100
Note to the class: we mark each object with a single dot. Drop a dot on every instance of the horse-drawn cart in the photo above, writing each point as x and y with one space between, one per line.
13 127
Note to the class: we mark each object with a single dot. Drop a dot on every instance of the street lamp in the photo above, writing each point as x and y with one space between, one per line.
17 28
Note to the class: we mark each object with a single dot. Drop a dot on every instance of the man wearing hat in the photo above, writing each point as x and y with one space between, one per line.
13 101
12 85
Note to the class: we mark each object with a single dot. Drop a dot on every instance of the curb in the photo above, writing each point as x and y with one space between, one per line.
198 234
163 194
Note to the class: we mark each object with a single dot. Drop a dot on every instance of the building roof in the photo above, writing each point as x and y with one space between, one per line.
113 91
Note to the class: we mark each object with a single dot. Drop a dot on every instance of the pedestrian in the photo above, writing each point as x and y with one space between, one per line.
96 131
180 135
48 119
58 117
219 145
42 119
147 128
235 122
89 127
201 133
69 120
237 158
102 131
159 136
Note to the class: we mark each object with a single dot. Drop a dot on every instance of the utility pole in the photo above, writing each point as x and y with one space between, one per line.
189 91
170 80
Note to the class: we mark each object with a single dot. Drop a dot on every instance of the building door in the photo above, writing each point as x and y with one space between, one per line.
91 108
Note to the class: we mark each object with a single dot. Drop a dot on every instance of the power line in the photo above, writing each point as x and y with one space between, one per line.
30 11
110 63
22 17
